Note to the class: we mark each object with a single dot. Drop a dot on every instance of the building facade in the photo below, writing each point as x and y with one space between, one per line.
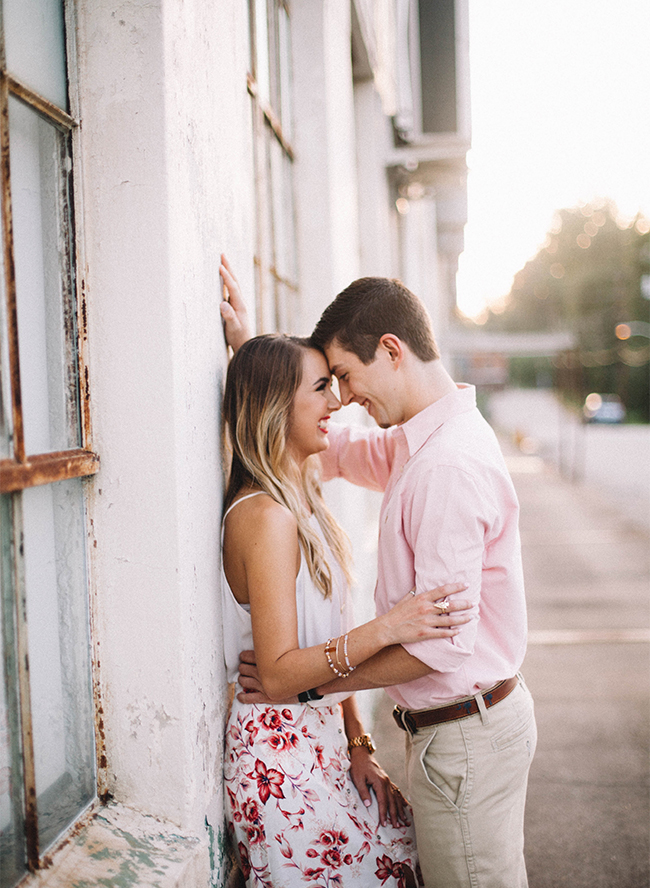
312 142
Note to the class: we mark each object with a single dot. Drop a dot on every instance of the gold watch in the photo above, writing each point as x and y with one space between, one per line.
363 740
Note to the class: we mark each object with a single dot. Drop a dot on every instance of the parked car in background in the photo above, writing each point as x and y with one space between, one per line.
603 408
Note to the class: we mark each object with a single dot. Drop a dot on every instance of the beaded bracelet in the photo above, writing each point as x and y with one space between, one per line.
345 654
328 654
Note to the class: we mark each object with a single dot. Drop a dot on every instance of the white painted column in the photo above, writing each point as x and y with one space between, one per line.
373 136
325 167
165 191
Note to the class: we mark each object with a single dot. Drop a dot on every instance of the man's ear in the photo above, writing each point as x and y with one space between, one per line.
393 347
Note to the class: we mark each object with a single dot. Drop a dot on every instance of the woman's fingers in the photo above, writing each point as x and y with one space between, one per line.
398 806
233 308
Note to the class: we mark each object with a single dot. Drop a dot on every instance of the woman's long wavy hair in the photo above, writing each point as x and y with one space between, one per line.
261 384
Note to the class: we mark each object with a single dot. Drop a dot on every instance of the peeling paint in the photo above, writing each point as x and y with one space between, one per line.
120 848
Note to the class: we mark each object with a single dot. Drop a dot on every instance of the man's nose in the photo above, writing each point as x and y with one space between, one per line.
345 392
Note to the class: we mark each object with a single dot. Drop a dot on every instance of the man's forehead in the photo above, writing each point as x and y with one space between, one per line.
338 357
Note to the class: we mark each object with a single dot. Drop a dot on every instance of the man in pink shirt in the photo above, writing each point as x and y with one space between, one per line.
449 514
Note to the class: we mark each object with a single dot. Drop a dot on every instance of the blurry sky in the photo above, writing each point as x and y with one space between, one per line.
560 115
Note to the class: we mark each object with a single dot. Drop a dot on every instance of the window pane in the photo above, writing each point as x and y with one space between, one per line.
278 207
12 847
438 64
290 262
35 46
284 41
284 241
59 653
5 390
41 212
262 51
285 307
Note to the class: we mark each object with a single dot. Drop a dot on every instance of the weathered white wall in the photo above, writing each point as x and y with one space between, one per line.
377 253
325 167
167 186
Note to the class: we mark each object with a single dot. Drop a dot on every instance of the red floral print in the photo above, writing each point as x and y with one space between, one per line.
268 781
295 815
243 860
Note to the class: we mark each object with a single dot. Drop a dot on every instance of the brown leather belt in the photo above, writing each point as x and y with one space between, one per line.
412 720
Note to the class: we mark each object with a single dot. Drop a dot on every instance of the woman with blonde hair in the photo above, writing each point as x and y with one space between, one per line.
299 770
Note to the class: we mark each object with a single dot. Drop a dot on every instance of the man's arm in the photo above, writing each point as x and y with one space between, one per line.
358 454
391 666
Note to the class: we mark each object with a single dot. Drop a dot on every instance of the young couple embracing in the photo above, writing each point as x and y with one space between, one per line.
307 802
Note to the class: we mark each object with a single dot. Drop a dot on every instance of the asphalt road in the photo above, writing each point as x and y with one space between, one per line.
613 459
587 575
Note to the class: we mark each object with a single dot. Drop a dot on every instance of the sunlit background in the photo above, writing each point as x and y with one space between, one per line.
560 116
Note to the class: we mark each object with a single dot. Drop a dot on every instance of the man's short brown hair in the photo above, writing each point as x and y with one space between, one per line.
369 308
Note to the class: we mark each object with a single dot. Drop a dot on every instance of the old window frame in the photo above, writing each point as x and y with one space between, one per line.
22 470
277 303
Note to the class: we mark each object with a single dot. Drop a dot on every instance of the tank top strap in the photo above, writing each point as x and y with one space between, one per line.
237 502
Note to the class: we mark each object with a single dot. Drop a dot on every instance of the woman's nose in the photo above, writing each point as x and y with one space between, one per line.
333 402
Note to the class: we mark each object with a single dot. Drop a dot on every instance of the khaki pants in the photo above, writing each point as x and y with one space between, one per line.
467 783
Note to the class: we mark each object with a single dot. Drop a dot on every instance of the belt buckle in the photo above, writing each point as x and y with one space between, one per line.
405 720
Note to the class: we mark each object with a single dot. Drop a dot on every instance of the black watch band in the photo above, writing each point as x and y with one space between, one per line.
312 694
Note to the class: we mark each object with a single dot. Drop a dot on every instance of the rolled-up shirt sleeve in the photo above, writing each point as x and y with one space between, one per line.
361 456
446 524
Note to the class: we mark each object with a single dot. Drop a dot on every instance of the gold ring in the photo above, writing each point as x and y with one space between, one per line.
443 607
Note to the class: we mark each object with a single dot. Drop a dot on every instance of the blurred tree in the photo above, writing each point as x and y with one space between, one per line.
591 275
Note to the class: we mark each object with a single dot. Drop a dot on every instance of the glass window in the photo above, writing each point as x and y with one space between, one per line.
40 205
13 863
35 46
59 653
5 389
438 65
270 89
47 756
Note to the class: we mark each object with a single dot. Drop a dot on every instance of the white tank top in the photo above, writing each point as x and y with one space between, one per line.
319 618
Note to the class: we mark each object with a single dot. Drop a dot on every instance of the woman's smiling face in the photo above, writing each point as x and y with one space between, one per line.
313 404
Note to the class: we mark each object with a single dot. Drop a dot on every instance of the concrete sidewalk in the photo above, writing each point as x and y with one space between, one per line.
587 578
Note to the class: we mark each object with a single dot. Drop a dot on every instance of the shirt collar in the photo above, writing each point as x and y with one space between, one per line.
420 427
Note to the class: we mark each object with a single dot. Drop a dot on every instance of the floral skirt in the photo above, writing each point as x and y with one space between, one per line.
296 817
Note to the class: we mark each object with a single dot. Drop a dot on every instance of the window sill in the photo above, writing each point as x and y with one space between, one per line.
120 847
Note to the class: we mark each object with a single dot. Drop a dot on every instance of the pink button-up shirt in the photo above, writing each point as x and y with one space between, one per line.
449 514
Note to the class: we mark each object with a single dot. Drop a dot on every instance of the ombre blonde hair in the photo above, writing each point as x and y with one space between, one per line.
261 384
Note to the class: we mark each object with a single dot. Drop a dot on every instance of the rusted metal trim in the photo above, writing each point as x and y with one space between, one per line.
39 103
274 122
271 117
282 280
22 652
82 364
10 276
46 468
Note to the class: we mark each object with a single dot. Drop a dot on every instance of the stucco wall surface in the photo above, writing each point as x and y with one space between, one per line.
167 182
